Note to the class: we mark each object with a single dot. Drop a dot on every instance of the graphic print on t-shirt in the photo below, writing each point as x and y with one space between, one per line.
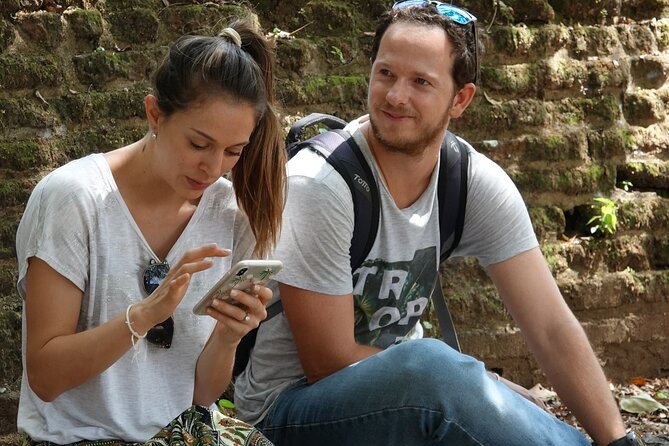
391 296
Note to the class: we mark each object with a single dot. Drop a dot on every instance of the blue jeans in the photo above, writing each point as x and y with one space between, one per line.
419 392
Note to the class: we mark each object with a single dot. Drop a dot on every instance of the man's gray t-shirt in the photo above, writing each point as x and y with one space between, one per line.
392 286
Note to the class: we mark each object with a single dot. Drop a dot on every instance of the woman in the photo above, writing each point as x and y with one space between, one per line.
115 249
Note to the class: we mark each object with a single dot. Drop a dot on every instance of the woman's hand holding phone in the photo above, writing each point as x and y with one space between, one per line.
162 302
239 299
242 313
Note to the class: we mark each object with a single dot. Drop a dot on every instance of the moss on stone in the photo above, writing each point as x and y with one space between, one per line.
611 143
606 73
19 71
661 256
637 38
517 79
10 331
580 180
531 11
137 26
547 220
206 19
563 74
96 106
575 180
337 89
579 44
10 221
104 138
596 12
646 174
483 119
554 254
13 192
15 113
570 146
644 212
295 55
7 34
41 28
551 38
99 67
513 40
124 5
568 111
601 111
86 25
661 32
333 17
643 108
605 39
21 155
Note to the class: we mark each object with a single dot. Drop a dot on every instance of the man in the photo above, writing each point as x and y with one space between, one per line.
328 371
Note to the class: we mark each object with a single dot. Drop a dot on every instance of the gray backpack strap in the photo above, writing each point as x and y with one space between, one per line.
448 334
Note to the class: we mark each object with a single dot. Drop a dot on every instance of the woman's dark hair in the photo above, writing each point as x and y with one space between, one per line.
199 67
462 37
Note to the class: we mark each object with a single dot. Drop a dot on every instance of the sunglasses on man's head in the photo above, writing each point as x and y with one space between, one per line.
457 15
161 334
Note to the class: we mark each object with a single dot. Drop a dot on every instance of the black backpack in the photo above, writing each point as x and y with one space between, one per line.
342 152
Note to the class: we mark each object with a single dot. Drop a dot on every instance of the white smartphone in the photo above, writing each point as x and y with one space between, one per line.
241 276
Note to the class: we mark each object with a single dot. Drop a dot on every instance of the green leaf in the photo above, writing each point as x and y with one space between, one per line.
605 201
642 403
662 394
225 404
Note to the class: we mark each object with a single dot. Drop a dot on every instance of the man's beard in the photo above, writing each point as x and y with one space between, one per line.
414 144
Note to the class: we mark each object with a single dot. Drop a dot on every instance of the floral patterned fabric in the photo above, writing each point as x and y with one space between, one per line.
197 426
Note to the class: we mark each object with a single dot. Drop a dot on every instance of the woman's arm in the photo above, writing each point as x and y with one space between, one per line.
214 366
59 358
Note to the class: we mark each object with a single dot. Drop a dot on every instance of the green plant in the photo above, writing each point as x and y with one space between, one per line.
606 220
627 185
339 53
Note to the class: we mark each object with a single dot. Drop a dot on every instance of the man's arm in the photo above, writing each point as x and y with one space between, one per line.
323 327
558 342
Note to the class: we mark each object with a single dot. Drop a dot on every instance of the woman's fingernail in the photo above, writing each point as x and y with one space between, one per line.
234 293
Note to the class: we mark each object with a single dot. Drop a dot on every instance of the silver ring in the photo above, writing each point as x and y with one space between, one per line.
247 317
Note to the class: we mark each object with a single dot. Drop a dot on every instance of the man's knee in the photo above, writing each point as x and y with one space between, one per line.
429 362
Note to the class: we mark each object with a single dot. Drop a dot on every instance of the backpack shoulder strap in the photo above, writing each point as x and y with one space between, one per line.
452 193
446 326
343 154
452 197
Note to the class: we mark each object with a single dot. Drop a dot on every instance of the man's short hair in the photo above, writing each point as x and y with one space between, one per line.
461 37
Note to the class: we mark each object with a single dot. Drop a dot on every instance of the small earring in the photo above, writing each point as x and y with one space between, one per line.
154 135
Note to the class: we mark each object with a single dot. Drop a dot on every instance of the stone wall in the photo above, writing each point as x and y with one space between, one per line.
572 104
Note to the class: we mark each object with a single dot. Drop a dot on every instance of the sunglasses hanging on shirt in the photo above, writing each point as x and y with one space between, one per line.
161 334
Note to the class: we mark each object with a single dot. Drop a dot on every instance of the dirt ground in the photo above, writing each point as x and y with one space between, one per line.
653 426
